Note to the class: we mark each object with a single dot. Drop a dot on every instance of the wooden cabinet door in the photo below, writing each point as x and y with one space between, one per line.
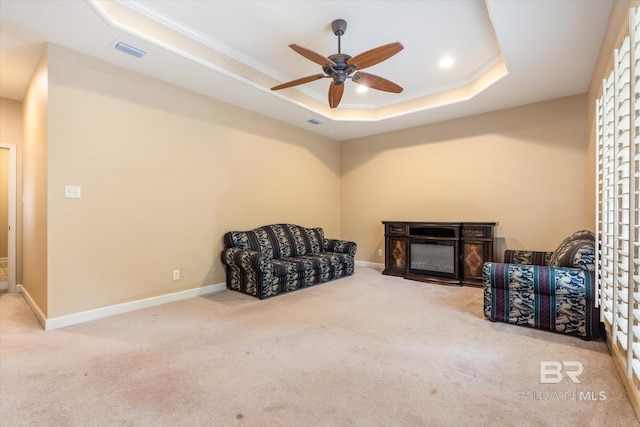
477 248
473 258
396 256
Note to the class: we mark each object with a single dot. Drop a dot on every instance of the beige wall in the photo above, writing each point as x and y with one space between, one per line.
11 133
34 195
164 174
523 167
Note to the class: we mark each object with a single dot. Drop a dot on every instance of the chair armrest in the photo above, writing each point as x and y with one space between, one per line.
524 257
561 299
539 279
340 246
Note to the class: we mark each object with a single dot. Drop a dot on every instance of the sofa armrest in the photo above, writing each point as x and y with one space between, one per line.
524 257
250 272
248 260
340 246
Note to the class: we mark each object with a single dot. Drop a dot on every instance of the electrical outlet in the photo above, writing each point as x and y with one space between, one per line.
176 274
379 252
71 191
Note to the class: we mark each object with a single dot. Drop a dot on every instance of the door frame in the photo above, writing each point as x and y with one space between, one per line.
12 214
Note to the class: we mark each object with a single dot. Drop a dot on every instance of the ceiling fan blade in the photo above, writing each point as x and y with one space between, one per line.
312 56
375 56
376 82
298 81
335 94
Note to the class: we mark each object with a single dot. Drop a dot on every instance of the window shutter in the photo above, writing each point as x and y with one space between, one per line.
634 201
618 201
606 199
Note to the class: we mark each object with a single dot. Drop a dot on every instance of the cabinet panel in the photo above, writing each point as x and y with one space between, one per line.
396 254
477 248
474 255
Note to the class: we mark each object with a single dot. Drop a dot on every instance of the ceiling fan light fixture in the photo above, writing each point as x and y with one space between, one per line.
362 89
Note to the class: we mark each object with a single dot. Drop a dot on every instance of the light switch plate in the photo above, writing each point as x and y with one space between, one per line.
72 191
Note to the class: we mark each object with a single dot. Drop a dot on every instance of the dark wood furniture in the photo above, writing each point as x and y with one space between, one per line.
459 250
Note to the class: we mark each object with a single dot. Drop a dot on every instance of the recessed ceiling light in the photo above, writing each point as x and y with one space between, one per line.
362 89
446 62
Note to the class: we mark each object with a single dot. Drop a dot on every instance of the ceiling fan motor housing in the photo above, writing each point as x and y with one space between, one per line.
341 70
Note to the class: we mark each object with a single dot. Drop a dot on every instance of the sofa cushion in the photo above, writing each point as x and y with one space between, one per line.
278 240
291 240
323 263
288 266
576 251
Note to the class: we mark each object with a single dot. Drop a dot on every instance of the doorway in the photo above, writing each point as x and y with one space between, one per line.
7 217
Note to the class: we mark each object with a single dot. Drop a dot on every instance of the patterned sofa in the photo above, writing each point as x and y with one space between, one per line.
555 291
279 258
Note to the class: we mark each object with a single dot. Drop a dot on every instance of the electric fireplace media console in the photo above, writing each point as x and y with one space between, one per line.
443 252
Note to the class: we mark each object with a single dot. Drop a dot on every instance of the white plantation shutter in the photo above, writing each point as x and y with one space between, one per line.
622 95
599 213
634 201
618 202
606 199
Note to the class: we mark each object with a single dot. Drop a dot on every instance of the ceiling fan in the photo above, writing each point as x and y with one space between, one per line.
341 67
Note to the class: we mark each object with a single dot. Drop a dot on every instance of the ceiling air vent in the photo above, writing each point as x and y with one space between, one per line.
314 121
123 47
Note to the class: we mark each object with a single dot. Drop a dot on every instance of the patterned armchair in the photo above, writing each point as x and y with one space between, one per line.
279 258
555 291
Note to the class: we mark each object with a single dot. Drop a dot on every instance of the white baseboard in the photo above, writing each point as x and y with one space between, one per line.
42 319
630 388
374 265
102 312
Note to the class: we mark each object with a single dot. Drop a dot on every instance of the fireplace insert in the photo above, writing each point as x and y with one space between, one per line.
433 258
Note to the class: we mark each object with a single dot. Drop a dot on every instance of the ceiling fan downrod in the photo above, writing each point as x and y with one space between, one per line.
339 26
341 71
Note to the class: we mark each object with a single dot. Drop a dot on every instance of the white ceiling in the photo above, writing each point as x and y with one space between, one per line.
506 53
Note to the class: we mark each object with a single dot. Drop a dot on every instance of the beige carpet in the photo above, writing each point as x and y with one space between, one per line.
368 350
